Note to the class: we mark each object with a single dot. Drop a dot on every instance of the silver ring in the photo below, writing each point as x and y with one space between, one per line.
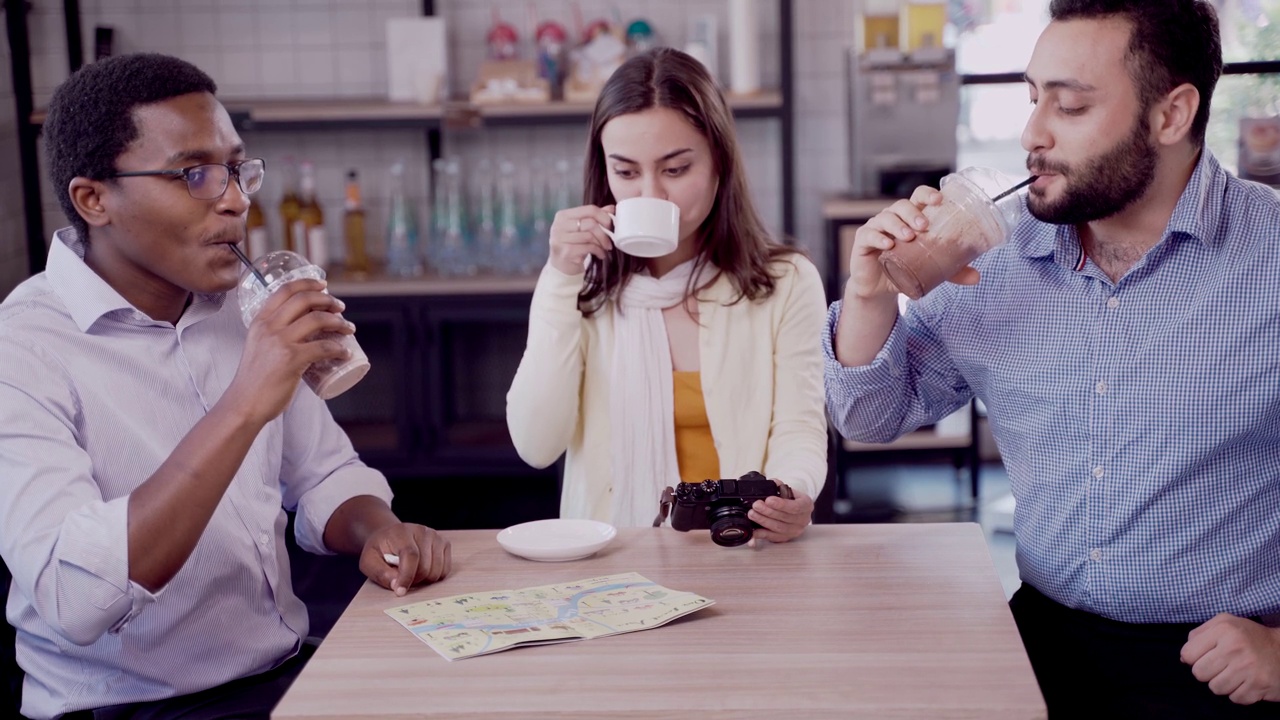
579 224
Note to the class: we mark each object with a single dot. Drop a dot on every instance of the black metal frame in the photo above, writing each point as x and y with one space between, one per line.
243 121
75 41
15 15
787 117
1253 67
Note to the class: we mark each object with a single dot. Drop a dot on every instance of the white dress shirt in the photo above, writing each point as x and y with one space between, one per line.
94 396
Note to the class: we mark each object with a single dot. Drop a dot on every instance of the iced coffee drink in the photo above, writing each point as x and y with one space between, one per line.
327 378
965 225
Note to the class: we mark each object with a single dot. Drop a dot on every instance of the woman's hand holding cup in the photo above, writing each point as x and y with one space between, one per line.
577 233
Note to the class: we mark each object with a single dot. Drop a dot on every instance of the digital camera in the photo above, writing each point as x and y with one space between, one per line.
721 506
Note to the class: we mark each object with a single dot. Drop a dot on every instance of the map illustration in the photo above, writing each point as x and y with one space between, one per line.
465 626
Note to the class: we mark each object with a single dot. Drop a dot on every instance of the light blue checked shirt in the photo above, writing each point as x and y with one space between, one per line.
1139 421
94 396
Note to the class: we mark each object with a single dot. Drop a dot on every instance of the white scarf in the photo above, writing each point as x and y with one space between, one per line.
641 402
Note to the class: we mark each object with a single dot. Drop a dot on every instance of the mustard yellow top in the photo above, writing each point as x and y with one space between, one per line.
695 448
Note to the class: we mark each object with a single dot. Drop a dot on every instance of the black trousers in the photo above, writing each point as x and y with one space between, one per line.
250 698
1092 667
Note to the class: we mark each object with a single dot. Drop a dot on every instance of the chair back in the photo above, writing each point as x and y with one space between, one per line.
10 673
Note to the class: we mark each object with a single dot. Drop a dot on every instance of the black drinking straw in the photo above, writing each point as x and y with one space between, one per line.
1014 189
244 259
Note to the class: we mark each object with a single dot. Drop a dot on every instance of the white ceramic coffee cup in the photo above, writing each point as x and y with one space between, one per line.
646 227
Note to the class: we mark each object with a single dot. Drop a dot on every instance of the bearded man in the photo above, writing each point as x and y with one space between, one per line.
1125 343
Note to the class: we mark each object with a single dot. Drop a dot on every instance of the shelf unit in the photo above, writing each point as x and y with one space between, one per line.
442 348
345 286
277 115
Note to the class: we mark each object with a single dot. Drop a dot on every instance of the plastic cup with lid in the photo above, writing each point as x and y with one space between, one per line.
327 378
965 225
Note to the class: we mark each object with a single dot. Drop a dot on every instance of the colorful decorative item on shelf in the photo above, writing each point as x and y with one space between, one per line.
640 37
603 51
595 29
502 39
551 39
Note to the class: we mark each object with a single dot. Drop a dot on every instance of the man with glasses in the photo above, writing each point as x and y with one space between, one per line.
149 443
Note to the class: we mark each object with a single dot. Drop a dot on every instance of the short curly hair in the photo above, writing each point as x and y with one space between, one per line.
90 120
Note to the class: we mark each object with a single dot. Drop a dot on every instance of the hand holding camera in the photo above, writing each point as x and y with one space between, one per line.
734 510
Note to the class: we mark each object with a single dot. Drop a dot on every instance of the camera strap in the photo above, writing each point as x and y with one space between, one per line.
664 506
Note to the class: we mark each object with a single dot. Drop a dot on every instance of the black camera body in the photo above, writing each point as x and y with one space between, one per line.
721 506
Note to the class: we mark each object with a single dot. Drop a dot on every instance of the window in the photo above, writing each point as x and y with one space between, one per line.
1250 29
994 39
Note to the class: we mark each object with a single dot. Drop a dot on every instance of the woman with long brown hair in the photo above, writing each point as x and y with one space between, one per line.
705 363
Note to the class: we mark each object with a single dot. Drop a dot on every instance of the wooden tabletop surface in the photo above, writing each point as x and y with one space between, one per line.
851 621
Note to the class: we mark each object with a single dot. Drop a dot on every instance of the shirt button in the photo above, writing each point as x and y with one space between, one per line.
1096 555
1113 303
1097 472
264 539
1101 387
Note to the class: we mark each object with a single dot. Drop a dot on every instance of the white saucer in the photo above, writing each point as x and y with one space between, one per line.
556 540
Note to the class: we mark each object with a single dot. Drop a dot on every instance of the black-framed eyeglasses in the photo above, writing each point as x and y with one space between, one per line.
210 180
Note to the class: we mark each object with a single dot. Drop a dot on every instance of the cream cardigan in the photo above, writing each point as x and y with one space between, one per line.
761 365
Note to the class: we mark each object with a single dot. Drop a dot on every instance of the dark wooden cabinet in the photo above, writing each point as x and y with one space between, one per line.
380 414
431 413
476 344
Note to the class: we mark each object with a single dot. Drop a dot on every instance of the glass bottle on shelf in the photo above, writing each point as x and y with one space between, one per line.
402 230
257 240
508 257
308 229
450 252
485 241
562 188
541 213
289 205
353 231
439 214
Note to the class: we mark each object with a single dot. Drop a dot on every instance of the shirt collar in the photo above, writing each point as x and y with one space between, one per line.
87 297
1200 208
1195 216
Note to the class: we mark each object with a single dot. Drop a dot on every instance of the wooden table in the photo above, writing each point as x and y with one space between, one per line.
851 621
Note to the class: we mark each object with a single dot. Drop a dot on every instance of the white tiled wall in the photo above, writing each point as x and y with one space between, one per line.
335 48
823 31
13 238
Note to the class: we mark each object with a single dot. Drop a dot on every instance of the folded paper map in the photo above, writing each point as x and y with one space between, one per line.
464 626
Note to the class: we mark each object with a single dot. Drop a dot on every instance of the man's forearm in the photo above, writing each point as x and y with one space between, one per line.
355 520
864 327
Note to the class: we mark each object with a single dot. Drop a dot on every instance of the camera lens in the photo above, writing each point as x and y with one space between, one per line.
730 526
